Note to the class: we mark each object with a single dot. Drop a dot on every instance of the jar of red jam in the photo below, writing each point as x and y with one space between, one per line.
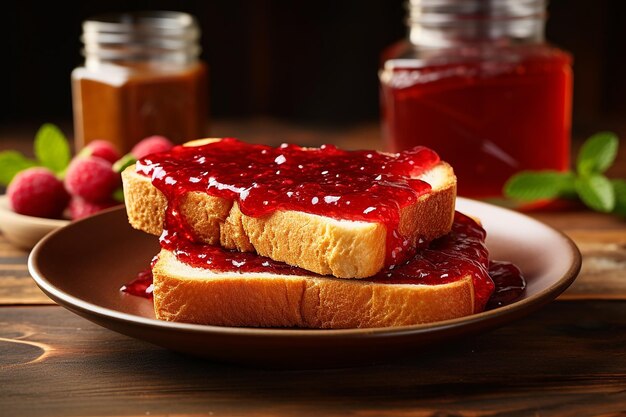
141 77
476 81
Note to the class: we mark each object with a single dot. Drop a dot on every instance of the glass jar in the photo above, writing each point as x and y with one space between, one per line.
141 77
476 82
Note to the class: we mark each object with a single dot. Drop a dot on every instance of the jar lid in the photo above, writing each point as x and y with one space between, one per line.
145 35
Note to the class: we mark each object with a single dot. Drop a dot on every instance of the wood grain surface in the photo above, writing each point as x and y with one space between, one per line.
564 366
16 285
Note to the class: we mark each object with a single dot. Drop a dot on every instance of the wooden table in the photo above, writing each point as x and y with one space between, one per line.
568 359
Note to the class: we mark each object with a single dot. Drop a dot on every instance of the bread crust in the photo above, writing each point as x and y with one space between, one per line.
186 294
341 248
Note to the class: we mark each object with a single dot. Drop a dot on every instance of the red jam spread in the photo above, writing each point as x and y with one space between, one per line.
509 281
141 286
219 259
347 185
460 253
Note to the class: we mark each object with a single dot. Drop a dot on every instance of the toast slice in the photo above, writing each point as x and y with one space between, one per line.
318 243
270 295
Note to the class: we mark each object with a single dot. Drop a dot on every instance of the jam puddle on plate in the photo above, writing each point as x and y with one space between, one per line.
141 286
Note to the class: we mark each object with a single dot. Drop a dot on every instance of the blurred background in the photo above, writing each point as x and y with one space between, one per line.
295 63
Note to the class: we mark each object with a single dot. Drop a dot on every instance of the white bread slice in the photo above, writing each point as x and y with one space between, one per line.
184 293
342 248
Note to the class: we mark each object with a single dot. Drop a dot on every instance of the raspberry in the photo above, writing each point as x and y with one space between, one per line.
91 178
101 149
80 208
152 144
37 192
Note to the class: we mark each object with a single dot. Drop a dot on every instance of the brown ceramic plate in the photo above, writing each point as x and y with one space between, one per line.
83 265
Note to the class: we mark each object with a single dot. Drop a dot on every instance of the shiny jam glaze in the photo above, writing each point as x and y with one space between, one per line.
348 185
460 253
141 286
509 281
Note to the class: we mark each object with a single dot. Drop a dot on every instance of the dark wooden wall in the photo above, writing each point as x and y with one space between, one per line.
303 61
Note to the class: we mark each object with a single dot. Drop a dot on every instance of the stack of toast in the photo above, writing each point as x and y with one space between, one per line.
306 237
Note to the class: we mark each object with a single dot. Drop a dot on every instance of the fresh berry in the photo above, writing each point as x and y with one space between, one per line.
80 208
91 178
37 192
152 144
101 149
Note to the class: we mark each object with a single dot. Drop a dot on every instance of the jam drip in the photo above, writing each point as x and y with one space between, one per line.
219 259
347 185
445 260
460 253
141 286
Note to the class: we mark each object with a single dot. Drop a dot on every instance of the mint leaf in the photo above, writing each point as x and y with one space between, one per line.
123 163
118 195
12 162
52 148
597 192
620 196
539 185
597 153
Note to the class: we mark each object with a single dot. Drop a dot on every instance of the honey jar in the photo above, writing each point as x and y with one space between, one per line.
142 76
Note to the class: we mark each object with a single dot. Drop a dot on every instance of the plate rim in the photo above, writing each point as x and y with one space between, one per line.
486 317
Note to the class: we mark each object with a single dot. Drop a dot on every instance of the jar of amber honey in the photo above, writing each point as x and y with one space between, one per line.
476 82
141 77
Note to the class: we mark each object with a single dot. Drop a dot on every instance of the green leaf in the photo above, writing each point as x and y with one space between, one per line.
620 196
597 192
597 153
12 162
118 195
539 185
123 163
52 148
